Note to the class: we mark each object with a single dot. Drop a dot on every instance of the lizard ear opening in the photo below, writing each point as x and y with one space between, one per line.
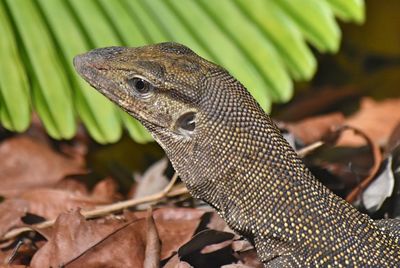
186 123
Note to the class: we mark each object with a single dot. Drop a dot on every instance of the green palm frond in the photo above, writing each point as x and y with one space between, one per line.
262 43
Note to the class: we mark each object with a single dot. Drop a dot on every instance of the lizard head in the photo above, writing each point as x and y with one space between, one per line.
193 108
157 84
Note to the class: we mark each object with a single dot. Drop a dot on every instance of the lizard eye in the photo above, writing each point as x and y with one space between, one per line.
141 86
186 123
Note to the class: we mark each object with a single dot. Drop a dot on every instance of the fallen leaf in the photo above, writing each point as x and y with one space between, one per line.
175 226
71 237
11 212
394 140
74 184
76 242
175 262
27 164
250 258
124 247
49 203
317 101
379 189
106 189
153 245
152 181
203 239
376 118
236 265
315 128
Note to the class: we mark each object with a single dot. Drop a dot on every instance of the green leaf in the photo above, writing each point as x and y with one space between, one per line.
53 101
260 51
154 33
97 113
101 33
135 129
172 27
316 21
127 25
260 42
284 34
349 10
14 88
225 52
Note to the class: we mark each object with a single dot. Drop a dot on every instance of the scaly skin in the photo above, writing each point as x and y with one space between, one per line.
231 155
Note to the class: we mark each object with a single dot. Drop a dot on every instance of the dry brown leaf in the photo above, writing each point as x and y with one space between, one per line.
12 266
125 247
27 163
153 245
72 236
11 212
175 226
106 189
152 181
73 184
77 242
236 265
174 262
376 118
250 259
314 128
49 203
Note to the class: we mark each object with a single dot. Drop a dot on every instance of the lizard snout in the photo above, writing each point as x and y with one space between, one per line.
96 57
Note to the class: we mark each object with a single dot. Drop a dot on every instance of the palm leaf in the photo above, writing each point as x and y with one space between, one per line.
262 43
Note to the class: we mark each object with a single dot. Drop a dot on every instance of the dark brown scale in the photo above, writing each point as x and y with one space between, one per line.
236 160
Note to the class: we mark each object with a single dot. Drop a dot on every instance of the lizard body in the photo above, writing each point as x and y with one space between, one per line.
231 155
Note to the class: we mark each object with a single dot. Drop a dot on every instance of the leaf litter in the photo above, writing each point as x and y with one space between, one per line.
45 181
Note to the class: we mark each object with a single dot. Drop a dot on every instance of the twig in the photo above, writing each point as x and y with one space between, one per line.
105 210
377 159
309 148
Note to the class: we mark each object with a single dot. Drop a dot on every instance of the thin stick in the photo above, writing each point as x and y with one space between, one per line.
105 210
309 148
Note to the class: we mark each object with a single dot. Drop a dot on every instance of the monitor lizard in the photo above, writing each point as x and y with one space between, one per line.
230 154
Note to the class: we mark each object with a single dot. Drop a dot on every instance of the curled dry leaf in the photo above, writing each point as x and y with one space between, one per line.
236 265
250 259
199 252
72 237
394 140
49 203
376 119
11 212
124 247
380 189
317 101
313 129
153 245
106 189
152 181
26 164
73 184
175 262
175 226
114 242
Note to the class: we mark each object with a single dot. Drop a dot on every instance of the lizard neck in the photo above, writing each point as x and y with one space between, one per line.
241 165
